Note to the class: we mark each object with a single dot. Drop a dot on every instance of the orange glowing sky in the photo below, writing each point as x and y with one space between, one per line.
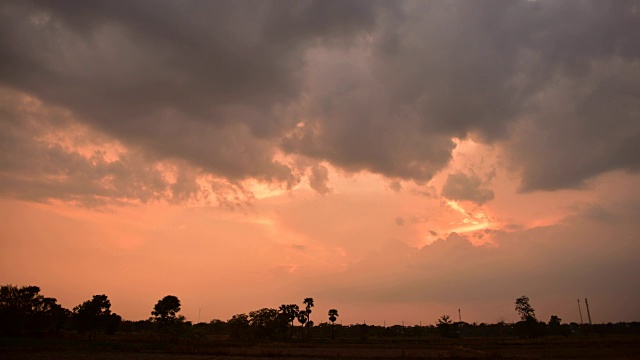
373 161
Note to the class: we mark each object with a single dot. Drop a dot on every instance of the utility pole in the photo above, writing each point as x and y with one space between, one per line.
199 310
580 311
588 312
459 316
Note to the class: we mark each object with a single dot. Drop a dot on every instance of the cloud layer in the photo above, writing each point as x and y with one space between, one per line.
365 86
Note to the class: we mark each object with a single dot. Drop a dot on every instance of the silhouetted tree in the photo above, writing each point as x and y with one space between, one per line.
268 323
239 326
445 326
555 326
309 304
303 316
529 324
260 324
524 308
333 316
501 326
290 312
92 315
165 314
112 324
218 327
166 310
24 310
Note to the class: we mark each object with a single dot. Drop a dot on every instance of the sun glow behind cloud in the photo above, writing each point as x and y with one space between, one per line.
471 222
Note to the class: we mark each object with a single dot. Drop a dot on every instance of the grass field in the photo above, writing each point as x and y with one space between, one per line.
592 347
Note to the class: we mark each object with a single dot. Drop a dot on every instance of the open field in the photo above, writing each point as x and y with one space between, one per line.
593 347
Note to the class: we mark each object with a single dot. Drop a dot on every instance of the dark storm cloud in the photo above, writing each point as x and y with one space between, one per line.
45 155
556 83
581 127
379 86
203 81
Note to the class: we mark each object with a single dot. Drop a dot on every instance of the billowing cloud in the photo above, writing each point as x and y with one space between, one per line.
365 86
47 154
460 186
208 83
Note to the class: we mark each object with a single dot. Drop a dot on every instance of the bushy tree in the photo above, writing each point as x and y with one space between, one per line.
528 326
165 312
556 328
218 327
290 313
239 326
95 315
165 315
24 311
262 324
112 324
524 308
445 326
268 323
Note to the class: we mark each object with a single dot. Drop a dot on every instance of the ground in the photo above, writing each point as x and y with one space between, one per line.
592 347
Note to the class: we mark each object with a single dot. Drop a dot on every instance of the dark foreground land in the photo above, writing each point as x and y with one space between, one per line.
576 347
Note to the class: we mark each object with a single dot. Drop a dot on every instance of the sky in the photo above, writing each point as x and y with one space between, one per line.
394 160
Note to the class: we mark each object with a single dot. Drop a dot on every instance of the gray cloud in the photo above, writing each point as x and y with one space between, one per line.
560 96
380 86
319 179
581 127
460 186
40 164
205 82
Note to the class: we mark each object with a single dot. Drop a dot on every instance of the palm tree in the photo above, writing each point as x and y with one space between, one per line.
303 316
333 316
309 304
290 312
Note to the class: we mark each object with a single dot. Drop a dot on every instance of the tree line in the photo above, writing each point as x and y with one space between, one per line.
25 312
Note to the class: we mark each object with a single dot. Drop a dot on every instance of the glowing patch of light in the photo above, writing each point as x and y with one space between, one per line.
471 222
263 191
470 228
454 205
262 220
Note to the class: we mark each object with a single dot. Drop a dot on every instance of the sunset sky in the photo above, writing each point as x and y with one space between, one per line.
394 160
